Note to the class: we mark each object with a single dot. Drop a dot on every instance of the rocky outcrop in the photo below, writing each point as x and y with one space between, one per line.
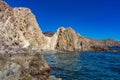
19 36
18 27
69 40
66 39
25 66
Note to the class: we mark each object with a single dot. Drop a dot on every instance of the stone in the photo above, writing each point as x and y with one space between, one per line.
48 34
23 66
69 40
19 28
9 70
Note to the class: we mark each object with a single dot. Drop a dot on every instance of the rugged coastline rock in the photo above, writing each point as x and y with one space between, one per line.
25 66
19 28
69 40
20 41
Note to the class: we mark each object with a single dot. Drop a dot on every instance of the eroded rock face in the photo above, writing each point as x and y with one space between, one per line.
9 70
29 28
66 39
19 28
69 40
24 66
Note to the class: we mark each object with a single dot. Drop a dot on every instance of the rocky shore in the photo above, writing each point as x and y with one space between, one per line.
19 29
22 40
26 65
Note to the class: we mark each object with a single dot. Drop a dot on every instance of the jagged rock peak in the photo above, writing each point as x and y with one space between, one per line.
61 29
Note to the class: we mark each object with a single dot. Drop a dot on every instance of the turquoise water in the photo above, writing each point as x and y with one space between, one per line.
85 65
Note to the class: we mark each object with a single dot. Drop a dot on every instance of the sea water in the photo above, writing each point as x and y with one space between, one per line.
85 65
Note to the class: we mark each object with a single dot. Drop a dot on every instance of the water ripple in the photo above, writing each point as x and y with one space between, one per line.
85 65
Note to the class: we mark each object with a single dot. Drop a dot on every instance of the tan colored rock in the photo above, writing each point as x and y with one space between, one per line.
24 66
29 28
51 42
18 27
66 39
69 40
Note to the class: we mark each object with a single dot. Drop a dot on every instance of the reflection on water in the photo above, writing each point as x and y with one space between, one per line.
85 65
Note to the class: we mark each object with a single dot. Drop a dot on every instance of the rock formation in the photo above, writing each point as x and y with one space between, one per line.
21 40
25 66
69 40
18 27
19 36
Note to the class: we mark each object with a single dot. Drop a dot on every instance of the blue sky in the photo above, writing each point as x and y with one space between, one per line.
98 19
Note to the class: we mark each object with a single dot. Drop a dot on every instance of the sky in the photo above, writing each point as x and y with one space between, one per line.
98 19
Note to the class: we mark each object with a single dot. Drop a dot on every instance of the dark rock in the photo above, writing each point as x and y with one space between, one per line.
49 34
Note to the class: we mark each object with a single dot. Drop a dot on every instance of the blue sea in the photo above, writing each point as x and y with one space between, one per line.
85 65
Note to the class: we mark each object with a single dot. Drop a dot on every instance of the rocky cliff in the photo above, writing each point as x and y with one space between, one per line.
21 40
69 40
19 28
19 35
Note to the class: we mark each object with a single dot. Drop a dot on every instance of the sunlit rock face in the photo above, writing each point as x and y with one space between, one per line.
51 41
69 40
66 39
18 27
28 27
19 35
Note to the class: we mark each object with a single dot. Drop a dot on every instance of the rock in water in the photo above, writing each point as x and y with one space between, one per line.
69 40
25 66
19 29
66 39
38 67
